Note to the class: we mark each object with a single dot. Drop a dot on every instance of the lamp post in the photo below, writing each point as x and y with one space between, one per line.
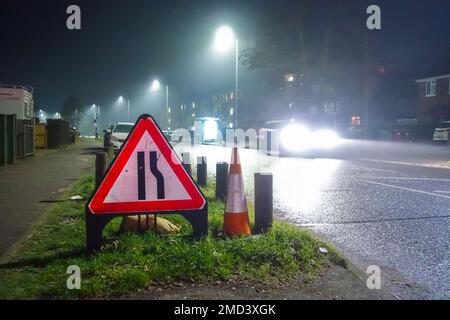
96 116
223 42
121 99
156 86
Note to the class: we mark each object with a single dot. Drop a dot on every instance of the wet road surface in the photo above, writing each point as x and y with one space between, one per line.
378 203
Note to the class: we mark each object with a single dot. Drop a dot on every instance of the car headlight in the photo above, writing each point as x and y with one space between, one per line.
295 137
326 139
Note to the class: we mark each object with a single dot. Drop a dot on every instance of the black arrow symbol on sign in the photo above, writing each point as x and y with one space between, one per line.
156 173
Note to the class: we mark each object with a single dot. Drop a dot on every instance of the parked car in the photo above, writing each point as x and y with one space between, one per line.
176 137
442 132
401 135
119 133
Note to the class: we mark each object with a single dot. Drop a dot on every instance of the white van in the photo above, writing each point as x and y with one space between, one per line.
119 133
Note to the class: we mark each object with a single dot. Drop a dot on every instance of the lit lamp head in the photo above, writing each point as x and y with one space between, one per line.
224 39
155 85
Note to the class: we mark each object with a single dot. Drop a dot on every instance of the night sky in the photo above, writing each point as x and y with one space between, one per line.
123 45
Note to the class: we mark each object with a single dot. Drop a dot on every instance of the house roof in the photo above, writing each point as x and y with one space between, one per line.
27 88
434 78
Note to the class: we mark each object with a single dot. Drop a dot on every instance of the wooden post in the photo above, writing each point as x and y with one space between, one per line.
221 180
202 171
263 202
110 152
100 167
186 161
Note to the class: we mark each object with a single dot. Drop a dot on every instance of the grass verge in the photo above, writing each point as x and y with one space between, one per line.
129 262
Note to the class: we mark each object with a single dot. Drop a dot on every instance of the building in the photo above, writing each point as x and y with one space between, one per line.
17 100
17 114
433 99
221 106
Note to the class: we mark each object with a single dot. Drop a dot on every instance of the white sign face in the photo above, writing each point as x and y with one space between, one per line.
126 188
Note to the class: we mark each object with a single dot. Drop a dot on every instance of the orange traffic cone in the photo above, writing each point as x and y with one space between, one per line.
236 221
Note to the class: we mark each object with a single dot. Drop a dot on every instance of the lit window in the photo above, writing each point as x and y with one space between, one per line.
168 110
356 121
193 115
231 111
289 77
230 125
169 120
193 105
431 88
231 95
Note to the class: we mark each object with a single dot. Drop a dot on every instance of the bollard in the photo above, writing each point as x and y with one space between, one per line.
202 171
186 161
100 167
110 152
269 143
263 202
221 180
107 140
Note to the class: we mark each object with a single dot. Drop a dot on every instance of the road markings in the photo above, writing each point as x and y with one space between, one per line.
324 224
408 189
438 165
440 191
375 169
405 178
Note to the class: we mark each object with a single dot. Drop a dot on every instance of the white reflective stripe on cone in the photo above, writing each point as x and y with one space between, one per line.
236 200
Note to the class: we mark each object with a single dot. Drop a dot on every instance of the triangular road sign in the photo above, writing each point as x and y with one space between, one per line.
146 177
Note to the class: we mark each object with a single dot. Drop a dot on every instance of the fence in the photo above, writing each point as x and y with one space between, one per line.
25 138
8 139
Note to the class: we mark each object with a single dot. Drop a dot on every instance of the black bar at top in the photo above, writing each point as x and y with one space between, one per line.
141 175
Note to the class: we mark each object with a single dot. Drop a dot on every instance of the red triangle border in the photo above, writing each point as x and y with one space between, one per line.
146 124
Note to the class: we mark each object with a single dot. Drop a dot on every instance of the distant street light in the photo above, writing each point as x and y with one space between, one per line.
121 100
223 42
224 39
42 116
156 86
96 115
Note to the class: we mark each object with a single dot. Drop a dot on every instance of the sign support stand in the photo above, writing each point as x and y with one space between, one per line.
94 230
95 224
199 222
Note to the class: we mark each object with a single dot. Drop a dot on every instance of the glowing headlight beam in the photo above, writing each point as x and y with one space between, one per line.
326 139
296 137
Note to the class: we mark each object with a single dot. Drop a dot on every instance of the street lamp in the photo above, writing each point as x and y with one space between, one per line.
42 116
120 100
96 116
156 86
223 42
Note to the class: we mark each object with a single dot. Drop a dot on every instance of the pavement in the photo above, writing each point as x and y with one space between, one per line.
336 283
379 203
44 177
